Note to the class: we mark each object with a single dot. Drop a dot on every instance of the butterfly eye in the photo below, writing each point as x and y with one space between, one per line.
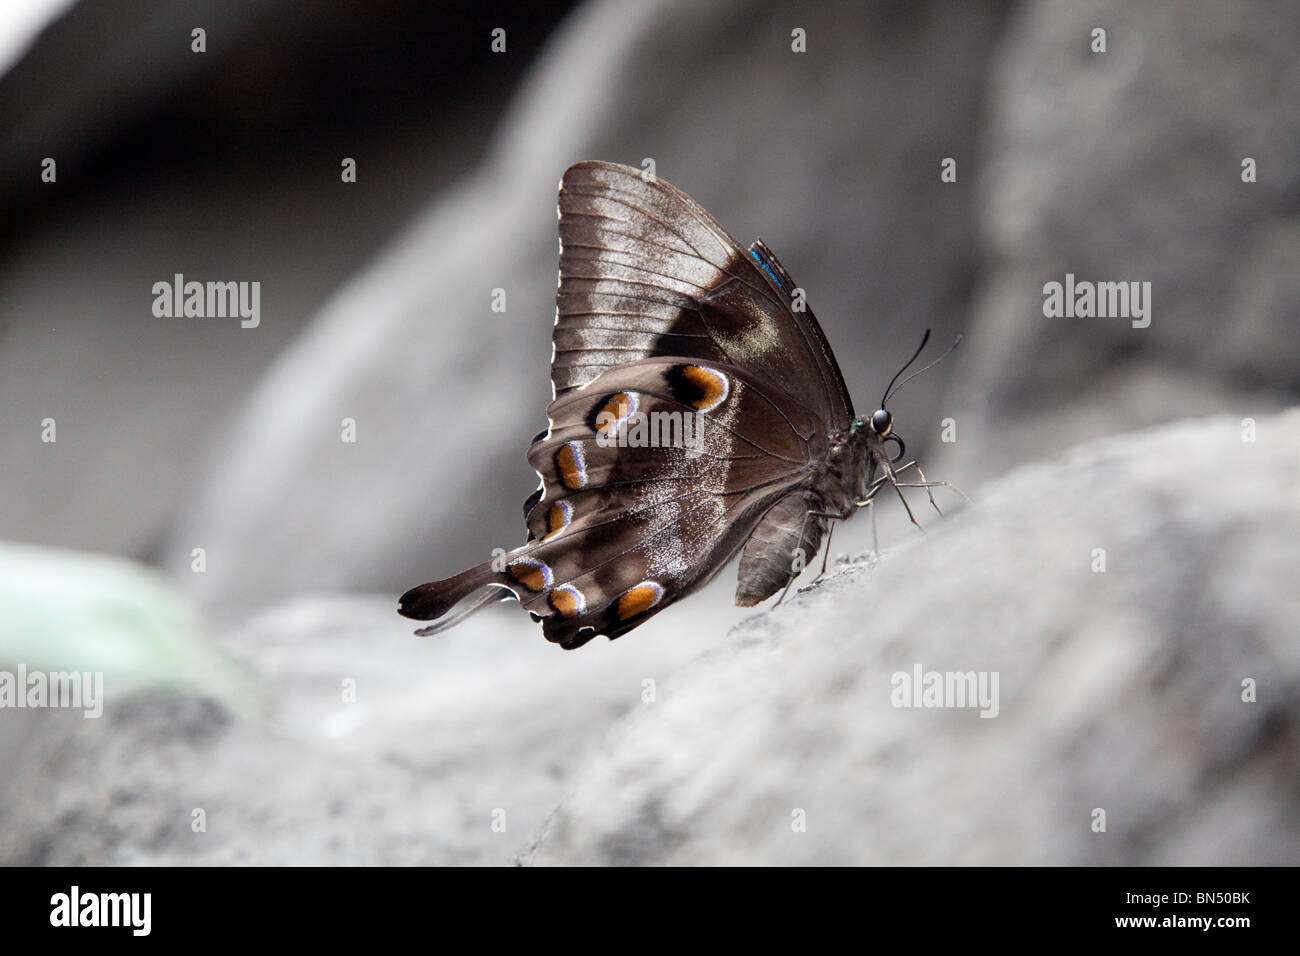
881 422
902 449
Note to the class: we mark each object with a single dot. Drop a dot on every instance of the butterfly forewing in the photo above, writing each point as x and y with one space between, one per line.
646 271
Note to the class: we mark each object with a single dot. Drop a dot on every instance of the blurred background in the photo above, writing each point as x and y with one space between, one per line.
209 456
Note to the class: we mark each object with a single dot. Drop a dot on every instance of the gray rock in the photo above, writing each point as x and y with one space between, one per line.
1127 165
1119 690
447 737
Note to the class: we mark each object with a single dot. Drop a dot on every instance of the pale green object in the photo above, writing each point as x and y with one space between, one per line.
64 610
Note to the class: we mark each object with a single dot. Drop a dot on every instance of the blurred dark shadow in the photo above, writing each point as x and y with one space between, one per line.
217 164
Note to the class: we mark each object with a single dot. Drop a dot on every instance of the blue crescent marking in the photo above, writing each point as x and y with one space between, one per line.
764 266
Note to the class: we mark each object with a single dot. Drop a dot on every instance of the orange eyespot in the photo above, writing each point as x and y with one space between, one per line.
639 599
558 518
617 410
698 386
568 601
531 573
572 467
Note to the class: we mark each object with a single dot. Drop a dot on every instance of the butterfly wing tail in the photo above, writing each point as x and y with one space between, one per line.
429 602
492 596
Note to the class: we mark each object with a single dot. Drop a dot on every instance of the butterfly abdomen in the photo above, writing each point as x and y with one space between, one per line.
782 544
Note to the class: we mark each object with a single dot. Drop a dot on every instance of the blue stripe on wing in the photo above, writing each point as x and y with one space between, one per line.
768 269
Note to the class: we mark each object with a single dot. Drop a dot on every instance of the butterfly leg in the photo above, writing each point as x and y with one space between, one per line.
833 517
923 483
875 538
871 493
880 483
826 556
928 484
892 477
785 592
794 573
889 477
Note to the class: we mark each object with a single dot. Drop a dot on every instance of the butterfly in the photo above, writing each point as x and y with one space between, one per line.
698 412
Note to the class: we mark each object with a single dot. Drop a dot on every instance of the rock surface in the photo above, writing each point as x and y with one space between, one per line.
1119 690
451 752
1127 166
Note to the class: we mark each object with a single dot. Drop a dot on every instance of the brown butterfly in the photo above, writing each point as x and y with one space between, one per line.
698 412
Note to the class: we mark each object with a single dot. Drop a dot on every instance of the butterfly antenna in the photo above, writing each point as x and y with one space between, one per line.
892 391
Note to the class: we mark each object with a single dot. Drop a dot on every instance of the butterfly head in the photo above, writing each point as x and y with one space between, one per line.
877 432
882 423
879 428
866 453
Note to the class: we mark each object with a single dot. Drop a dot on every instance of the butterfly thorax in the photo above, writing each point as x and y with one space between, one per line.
849 469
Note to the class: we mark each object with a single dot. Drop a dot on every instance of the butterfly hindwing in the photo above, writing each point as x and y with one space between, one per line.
672 416
630 496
